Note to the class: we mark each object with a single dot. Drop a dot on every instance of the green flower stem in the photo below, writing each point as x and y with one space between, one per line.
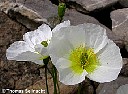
46 79
58 87
55 71
54 79
79 88
50 72
46 61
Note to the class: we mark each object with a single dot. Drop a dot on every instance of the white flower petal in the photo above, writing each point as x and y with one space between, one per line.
59 47
17 48
76 35
68 77
21 51
95 36
110 56
40 62
27 56
41 50
30 38
64 24
43 33
63 63
123 89
104 74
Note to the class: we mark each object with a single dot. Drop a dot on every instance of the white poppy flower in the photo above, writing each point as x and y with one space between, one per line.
84 50
123 89
33 47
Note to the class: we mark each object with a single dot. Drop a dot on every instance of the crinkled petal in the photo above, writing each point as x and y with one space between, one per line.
110 56
76 35
27 56
63 63
95 36
43 33
21 51
66 75
17 48
104 74
90 35
123 89
64 24
59 47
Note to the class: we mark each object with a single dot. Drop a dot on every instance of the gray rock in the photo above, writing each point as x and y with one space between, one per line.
124 3
12 72
120 24
7 1
90 5
64 89
43 7
30 13
78 18
111 87
126 47
23 15
124 70
10 31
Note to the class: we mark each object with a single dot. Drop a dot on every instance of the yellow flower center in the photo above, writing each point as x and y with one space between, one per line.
83 59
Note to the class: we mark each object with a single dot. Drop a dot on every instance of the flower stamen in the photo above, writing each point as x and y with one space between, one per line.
83 58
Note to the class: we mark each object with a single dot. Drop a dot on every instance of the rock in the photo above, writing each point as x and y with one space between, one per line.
111 87
39 6
22 14
87 87
10 31
78 18
126 47
124 70
7 1
14 75
43 7
124 3
30 13
119 24
64 89
90 5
